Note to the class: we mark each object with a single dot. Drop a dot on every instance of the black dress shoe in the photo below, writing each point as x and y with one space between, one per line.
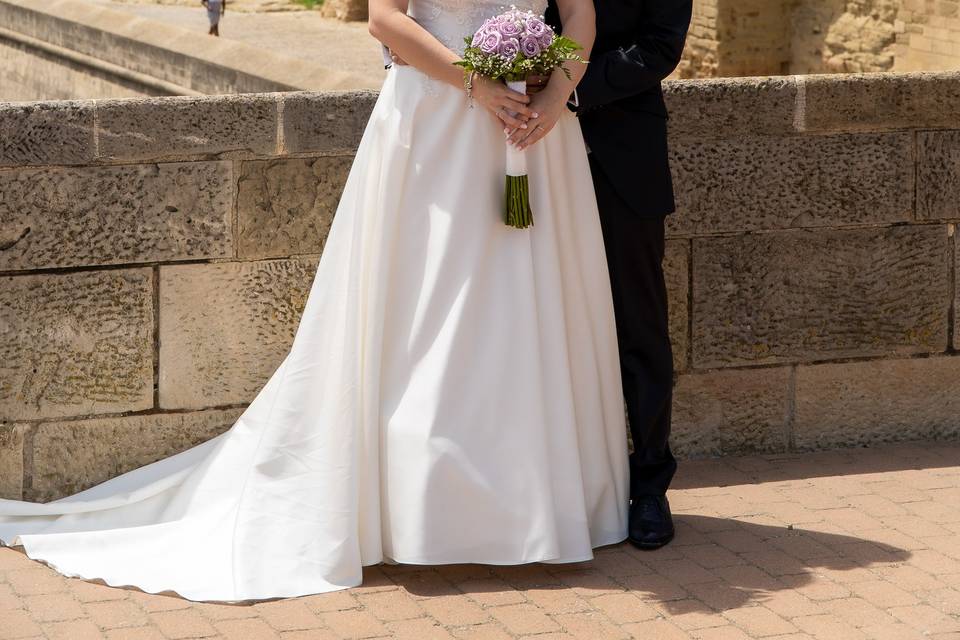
651 525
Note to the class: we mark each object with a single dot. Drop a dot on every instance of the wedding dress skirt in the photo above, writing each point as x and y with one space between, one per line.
452 394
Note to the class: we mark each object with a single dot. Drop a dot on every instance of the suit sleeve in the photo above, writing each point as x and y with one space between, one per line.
641 65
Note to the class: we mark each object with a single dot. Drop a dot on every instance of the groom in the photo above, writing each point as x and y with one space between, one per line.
624 120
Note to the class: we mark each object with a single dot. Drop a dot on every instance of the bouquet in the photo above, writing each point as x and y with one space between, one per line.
510 47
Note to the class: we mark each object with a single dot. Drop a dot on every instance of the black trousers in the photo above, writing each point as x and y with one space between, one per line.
635 248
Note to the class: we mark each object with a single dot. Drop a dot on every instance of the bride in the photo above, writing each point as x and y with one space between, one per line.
452 394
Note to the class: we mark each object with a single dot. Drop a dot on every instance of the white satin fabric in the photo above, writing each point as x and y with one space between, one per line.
452 393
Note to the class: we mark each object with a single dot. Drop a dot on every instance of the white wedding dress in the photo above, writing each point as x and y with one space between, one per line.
452 394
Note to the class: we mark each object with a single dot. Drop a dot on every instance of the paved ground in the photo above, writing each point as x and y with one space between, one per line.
835 546
346 46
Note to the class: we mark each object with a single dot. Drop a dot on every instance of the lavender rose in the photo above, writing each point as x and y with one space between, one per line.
546 39
509 48
535 27
491 42
530 47
509 26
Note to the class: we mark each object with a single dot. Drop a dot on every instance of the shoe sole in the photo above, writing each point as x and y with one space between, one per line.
651 546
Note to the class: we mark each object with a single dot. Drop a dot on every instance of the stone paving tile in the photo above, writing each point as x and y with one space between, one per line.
835 546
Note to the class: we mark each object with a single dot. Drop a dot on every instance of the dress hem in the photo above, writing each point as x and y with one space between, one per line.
296 594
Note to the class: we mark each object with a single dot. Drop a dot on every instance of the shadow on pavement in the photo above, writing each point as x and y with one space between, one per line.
714 564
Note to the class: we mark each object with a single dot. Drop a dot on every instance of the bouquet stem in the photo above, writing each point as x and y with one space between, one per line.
518 214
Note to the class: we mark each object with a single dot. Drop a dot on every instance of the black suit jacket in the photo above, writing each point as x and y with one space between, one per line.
621 107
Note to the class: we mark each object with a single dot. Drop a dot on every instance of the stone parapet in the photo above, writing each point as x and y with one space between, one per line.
156 254
121 54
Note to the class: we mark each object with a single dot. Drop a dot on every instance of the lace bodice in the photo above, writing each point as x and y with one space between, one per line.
450 21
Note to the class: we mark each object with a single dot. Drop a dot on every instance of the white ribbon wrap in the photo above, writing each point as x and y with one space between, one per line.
516 160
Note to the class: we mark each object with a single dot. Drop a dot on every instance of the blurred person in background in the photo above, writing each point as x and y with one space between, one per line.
215 9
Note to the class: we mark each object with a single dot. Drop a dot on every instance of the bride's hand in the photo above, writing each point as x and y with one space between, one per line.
500 100
549 106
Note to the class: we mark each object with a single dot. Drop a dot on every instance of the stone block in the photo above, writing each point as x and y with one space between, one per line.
39 133
938 175
878 101
861 403
73 216
731 107
175 128
731 412
676 272
347 10
76 344
75 455
768 182
225 328
11 460
797 296
330 122
286 207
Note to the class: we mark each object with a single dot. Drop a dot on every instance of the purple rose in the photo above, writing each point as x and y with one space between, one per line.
530 47
546 39
509 26
490 42
535 27
509 48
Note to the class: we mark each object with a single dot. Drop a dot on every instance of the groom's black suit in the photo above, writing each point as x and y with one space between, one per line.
624 122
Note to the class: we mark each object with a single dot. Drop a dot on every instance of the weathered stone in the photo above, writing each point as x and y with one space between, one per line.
65 217
31 74
330 122
155 128
759 37
731 412
347 10
956 294
76 343
731 107
676 271
876 101
286 207
860 403
75 455
800 181
225 328
46 133
802 295
938 175
169 53
11 460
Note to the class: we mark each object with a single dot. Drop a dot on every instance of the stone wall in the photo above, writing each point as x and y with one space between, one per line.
345 9
927 35
27 73
751 37
76 49
156 254
700 57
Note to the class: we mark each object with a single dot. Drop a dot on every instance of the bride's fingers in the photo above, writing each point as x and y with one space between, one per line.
517 135
512 122
522 110
520 133
517 113
535 134
516 96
